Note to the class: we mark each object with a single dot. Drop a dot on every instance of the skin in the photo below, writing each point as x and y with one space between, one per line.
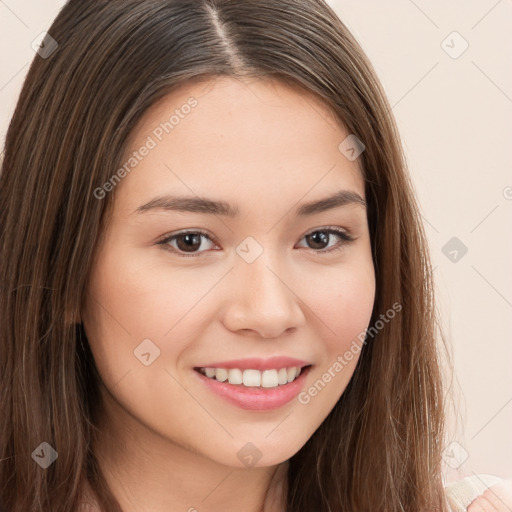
497 498
169 443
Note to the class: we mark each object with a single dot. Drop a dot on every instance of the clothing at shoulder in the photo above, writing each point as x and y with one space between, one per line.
460 494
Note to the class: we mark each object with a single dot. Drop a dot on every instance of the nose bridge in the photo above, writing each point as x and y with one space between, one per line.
265 284
263 300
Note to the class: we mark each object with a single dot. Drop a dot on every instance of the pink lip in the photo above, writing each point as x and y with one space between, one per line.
256 398
256 363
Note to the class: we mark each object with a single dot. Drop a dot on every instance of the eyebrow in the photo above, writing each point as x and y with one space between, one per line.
222 208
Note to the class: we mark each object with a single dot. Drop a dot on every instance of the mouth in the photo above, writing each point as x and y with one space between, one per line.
253 378
252 388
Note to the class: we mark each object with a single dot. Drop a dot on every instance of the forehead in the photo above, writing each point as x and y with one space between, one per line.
253 136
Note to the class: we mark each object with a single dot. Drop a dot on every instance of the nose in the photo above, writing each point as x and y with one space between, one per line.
262 299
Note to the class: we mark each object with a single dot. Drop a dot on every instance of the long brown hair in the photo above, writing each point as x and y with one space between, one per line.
380 447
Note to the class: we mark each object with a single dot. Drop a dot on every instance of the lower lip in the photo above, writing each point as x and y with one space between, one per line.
256 398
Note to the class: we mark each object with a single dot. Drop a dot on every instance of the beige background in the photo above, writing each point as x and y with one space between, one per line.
454 114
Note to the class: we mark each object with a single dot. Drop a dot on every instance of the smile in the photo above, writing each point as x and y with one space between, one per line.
252 389
253 378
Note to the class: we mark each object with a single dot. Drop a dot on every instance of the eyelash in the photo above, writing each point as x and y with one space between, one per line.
346 239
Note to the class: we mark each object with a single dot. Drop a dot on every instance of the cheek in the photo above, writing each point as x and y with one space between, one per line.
128 312
131 299
344 305
142 299
350 311
122 309
342 309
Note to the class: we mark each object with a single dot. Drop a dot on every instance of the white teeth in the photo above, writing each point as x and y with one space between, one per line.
235 376
282 376
221 374
291 373
253 378
269 379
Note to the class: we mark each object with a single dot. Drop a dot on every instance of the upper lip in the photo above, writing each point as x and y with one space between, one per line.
257 363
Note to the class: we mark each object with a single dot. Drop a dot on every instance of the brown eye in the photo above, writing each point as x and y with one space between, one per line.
186 244
319 239
189 242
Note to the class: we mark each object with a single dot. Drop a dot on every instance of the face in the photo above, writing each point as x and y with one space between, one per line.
216 265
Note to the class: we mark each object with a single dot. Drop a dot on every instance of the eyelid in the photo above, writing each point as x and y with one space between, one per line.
337 229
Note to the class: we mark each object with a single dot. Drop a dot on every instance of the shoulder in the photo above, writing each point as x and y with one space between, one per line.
478 493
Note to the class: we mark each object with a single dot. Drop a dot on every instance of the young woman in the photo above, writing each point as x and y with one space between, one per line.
215 286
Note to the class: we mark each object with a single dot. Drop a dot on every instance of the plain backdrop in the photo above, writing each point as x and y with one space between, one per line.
447 71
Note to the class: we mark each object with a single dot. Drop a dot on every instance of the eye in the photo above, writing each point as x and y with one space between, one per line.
188 243
322 236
